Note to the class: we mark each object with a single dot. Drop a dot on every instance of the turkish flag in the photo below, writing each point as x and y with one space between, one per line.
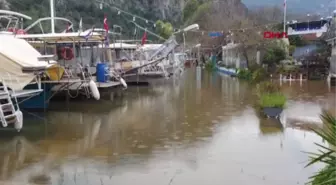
105 24
144 38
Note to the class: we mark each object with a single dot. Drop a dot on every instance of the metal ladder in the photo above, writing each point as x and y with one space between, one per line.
7 109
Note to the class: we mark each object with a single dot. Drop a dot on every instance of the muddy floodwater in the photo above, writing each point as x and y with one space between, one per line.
200 130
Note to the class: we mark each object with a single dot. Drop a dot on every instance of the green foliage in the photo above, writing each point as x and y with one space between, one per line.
189 9
269 95
291 49
74 10
267 87
296 41
326 155
277 100
244 74
198 14
164 29
210 66
259 75
274 55
254 74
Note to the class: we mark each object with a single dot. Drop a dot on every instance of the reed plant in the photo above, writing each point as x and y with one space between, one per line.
244 74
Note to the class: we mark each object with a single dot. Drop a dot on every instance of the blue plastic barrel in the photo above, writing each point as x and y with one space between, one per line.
101 72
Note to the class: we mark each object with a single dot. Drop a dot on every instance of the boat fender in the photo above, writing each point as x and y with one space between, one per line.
122 81
94 90
4 123
19 120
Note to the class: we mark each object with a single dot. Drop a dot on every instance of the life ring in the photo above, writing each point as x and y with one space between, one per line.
67 53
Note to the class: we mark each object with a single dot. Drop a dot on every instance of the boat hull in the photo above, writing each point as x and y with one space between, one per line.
39 101
224 70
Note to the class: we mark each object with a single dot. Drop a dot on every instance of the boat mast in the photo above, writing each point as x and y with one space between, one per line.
52 15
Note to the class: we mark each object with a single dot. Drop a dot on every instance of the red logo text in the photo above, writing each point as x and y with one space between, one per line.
275 35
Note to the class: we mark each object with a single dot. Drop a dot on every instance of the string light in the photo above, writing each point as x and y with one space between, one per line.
240 29
154 24
125 12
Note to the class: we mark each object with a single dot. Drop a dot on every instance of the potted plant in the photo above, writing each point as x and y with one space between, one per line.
272 104
271 101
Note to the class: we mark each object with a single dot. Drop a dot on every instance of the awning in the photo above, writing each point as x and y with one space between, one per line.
17 56
65 37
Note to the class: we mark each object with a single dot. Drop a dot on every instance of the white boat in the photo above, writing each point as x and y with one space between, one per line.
20 77
80 64
142 63
53 81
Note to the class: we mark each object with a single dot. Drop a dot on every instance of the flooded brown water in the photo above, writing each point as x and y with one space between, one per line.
199 130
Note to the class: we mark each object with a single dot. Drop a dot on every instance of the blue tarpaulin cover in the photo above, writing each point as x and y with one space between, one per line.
215 34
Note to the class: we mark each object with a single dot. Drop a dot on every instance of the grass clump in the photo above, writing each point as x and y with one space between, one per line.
267 87
269 95
275 100
254 74
244 74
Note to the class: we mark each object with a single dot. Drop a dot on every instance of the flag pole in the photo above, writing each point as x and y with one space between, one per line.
285 12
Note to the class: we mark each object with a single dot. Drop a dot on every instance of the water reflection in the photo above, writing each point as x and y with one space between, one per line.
199 130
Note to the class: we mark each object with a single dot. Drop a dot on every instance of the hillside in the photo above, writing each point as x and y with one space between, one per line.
211 15
207 11
90 12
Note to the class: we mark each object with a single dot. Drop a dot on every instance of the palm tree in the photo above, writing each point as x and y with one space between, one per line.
326 155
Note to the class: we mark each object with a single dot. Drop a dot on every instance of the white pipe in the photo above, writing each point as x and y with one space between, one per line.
52 15
301 80
290 79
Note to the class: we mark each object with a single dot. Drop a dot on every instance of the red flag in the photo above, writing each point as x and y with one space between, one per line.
105 24
144 38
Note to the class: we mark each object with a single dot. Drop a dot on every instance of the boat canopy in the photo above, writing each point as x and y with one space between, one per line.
133 46
19 60
87 36
122 46
151 46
